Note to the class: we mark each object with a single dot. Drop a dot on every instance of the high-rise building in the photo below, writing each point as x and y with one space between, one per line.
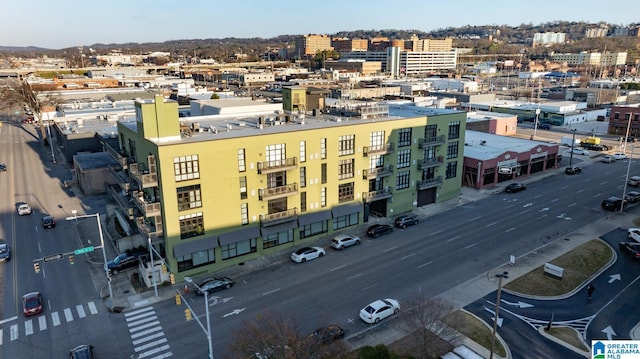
309 45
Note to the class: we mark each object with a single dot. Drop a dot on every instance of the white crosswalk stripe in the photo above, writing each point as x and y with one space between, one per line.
146 333
14 332
92 308
1 335
67 315
80 310
55 318
28 327
42 322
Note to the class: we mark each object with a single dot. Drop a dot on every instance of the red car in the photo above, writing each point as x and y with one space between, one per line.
32 304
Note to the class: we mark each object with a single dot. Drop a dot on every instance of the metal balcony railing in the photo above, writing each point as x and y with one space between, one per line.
377 172
378 150
429 183
430 162
278 217
431 141
148 209
278 192
377 195
148 229
278 165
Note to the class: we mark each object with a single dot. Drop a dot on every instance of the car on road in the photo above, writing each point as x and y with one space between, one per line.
84 351
544 126
608 159
328 334
579 151
619 156
126 260
593 146
634 234
612 203
515 187
306 254
632 249
634 181
344 240
23 209
214 284
32 304
3 167
5 252
379 310
572 170
378 230
48 222
406 220
632 197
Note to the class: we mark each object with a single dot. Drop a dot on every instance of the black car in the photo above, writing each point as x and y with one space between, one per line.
327 334
632 197
612 203
631 248
214 284
515 187
3 167
593 146
84 351
123 261
379 229
572 170
544 126
48 222
406 220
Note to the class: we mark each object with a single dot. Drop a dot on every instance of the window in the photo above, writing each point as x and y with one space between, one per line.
323 173
376 161
238 249
345 168
242 166
313 229
276 239
404 158
244 213
616 116
323 148
195 260
345 221
186 168
345 192
303 177
189 197
323 197
346 145
402 180
277 205
376 139
404 137
191 225
627 116
430 132
303 201
452 150
451 169
276 153
454 129
303 151
243 187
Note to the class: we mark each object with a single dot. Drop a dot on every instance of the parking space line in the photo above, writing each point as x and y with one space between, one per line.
13 332
42 322
28 327
407 256
338 268
68 316
453 238
92 308
510 229
425 264
55 318
80 310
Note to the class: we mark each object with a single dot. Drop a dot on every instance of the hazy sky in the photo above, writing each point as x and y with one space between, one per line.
66 23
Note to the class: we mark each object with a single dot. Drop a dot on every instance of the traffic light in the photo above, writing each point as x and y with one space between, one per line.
187 314
164 268
36 267
172 278
178 299
71 259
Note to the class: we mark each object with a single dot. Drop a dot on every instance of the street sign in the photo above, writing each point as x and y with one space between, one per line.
84 250
54 257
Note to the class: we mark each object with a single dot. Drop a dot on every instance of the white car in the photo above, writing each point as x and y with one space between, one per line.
306 254
23 209
634 234
619 156
344 240
608 159
380 309
579 151
634 181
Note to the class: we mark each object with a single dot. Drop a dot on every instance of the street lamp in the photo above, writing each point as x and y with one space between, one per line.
495 319
104 254
206 308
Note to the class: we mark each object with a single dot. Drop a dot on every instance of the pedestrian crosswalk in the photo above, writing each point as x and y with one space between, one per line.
40 323
146 334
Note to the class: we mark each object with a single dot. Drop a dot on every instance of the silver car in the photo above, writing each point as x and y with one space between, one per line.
344 240
23 209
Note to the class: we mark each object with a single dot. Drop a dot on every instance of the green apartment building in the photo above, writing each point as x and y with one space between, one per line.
221 190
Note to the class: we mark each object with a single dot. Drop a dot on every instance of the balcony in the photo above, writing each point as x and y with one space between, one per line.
144 178
148 209
429 183
148 228
272 219
377 172
430 162
278 192
378 150
431 141
120 178
121 200
279 165
121 159
377 195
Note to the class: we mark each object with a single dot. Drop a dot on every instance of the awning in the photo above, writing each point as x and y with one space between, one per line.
185 248
278 228
239 235
314 217
345 210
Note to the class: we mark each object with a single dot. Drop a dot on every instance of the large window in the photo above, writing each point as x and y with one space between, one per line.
345 221
238 249
276 239
303 201
452 150
244 213
303 177
189 197
345 192
323 173
402 180
195 260
191 225
314 229
376 139
186 168
404 137
404 158
430 132
276 153
242 165
345 168
323 197
303 151
454 130
346 145
323 148
243 187
452 168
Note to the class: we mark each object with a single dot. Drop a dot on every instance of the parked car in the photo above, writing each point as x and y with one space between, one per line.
608 159
306 254
406 220
612 203
48 222
515 187
214 284
572 170
593 146
5 252
378 230
380 309
579 151
23 209
344 240
632 197
634 181
544 126
619 156
32 304
84 351
634 234
126 260
633 249
328 334
3 167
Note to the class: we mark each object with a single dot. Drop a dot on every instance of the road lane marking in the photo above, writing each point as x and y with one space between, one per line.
491 224
437 232
144 326
271 292
68 316
1 336
135 312
148 319
578 191
453 239
55 318
572 204
510 229
8 320
146 339
471 245
407 256
475 219
597 194
140 316
425 264
603 182
145 332
354 276
390 249
555 199
337 268
42 322
28 327
525 211
150 345
151 352
80 310
14 332
92 308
